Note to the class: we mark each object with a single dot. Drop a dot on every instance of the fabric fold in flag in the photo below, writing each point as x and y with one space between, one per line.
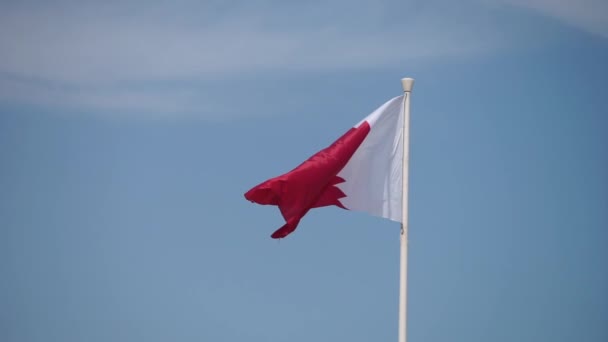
361 171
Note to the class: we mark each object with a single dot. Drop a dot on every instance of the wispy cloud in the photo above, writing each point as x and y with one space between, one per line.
80 45
92 55
588 15
153 103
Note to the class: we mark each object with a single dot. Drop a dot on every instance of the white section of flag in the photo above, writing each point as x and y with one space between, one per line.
374 174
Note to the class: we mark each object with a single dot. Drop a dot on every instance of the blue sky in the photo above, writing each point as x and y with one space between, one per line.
129 132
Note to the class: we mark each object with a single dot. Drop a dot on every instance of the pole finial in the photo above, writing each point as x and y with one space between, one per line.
408 84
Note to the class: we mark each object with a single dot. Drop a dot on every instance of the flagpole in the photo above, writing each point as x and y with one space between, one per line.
408 84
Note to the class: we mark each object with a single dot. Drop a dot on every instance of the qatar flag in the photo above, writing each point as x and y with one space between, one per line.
361 171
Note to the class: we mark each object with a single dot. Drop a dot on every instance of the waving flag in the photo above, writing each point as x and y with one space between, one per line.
360 171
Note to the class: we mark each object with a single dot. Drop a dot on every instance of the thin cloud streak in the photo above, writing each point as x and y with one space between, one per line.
154 103
80 55
588 15
69 46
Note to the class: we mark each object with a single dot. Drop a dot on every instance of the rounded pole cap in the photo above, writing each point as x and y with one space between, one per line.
408 84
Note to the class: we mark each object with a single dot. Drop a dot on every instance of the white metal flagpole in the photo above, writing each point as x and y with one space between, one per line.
408 84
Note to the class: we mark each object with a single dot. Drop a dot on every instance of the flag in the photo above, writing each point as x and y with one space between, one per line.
361 171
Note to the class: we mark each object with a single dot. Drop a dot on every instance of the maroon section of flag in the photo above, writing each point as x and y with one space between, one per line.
312 184
361 171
